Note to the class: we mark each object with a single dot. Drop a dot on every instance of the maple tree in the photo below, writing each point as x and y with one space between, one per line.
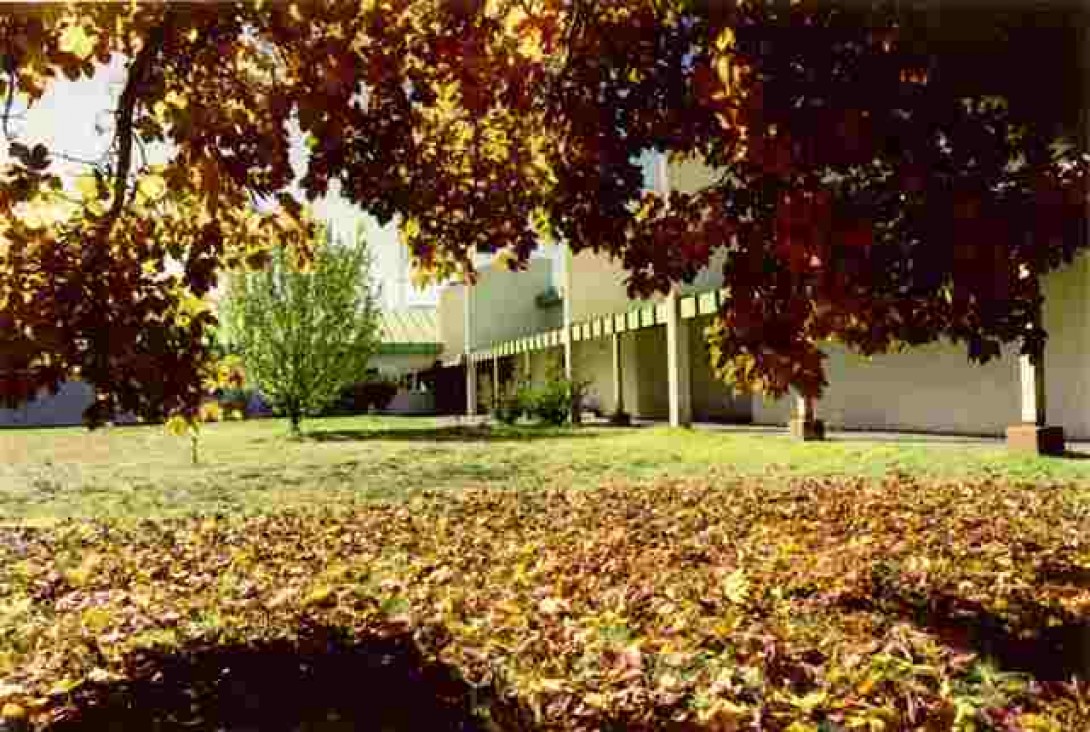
885 180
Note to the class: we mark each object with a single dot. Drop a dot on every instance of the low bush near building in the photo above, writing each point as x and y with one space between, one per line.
554 402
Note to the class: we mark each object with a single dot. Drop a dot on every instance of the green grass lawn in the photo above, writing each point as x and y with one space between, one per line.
402 574
256 467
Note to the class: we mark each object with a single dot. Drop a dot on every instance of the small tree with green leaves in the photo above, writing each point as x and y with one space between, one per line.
305 330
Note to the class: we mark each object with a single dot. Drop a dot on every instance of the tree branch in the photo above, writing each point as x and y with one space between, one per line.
126 112
8 101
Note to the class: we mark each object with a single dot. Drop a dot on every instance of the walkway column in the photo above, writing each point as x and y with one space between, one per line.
471 386
1033 435
804 422
569 366
566 303
678 371
495 381
619 416
471 366
678 368
527 363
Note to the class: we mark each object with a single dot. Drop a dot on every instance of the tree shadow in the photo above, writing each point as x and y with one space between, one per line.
323 682
446 434
1049 643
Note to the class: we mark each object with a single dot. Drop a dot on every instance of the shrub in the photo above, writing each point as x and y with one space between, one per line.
554 402
515 404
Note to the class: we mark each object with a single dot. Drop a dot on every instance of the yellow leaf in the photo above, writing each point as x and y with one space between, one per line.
95 619
281 598
736 586
152 187
319 596
552 685
177 425
13 711
87 186
598 701
174 99
76 41
410 229
725 40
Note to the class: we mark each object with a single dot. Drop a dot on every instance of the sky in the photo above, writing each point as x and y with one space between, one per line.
73 118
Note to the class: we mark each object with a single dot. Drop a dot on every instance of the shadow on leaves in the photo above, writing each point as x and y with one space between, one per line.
1048 643
323 682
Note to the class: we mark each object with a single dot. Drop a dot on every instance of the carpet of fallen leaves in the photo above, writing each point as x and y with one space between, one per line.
798 605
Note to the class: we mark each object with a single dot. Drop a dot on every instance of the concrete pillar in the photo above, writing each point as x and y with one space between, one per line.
804 422
495 381
528 365
678 367
1033 434
619 416
567 305
471 366
470 387
569 366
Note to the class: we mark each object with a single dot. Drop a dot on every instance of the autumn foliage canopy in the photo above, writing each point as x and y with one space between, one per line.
885 176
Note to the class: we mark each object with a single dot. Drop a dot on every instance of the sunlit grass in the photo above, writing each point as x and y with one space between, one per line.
255 466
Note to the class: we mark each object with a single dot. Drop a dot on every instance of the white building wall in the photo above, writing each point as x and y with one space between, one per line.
652 390
929 389
936 388
1067 355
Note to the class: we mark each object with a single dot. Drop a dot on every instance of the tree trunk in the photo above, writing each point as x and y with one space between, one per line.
295 416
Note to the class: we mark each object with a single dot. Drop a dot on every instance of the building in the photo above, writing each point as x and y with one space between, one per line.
648 358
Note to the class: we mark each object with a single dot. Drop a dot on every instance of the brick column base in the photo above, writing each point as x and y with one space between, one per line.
807 430
1034 439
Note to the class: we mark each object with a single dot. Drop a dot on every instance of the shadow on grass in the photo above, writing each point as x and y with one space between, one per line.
325 681
446 434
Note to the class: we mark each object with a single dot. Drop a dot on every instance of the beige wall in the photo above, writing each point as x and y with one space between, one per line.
593 362
643 353
504 307
936 389
451 319
652 396
598 286
1067 355
931 389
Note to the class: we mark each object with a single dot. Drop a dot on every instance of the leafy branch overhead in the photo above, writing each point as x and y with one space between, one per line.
882 176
